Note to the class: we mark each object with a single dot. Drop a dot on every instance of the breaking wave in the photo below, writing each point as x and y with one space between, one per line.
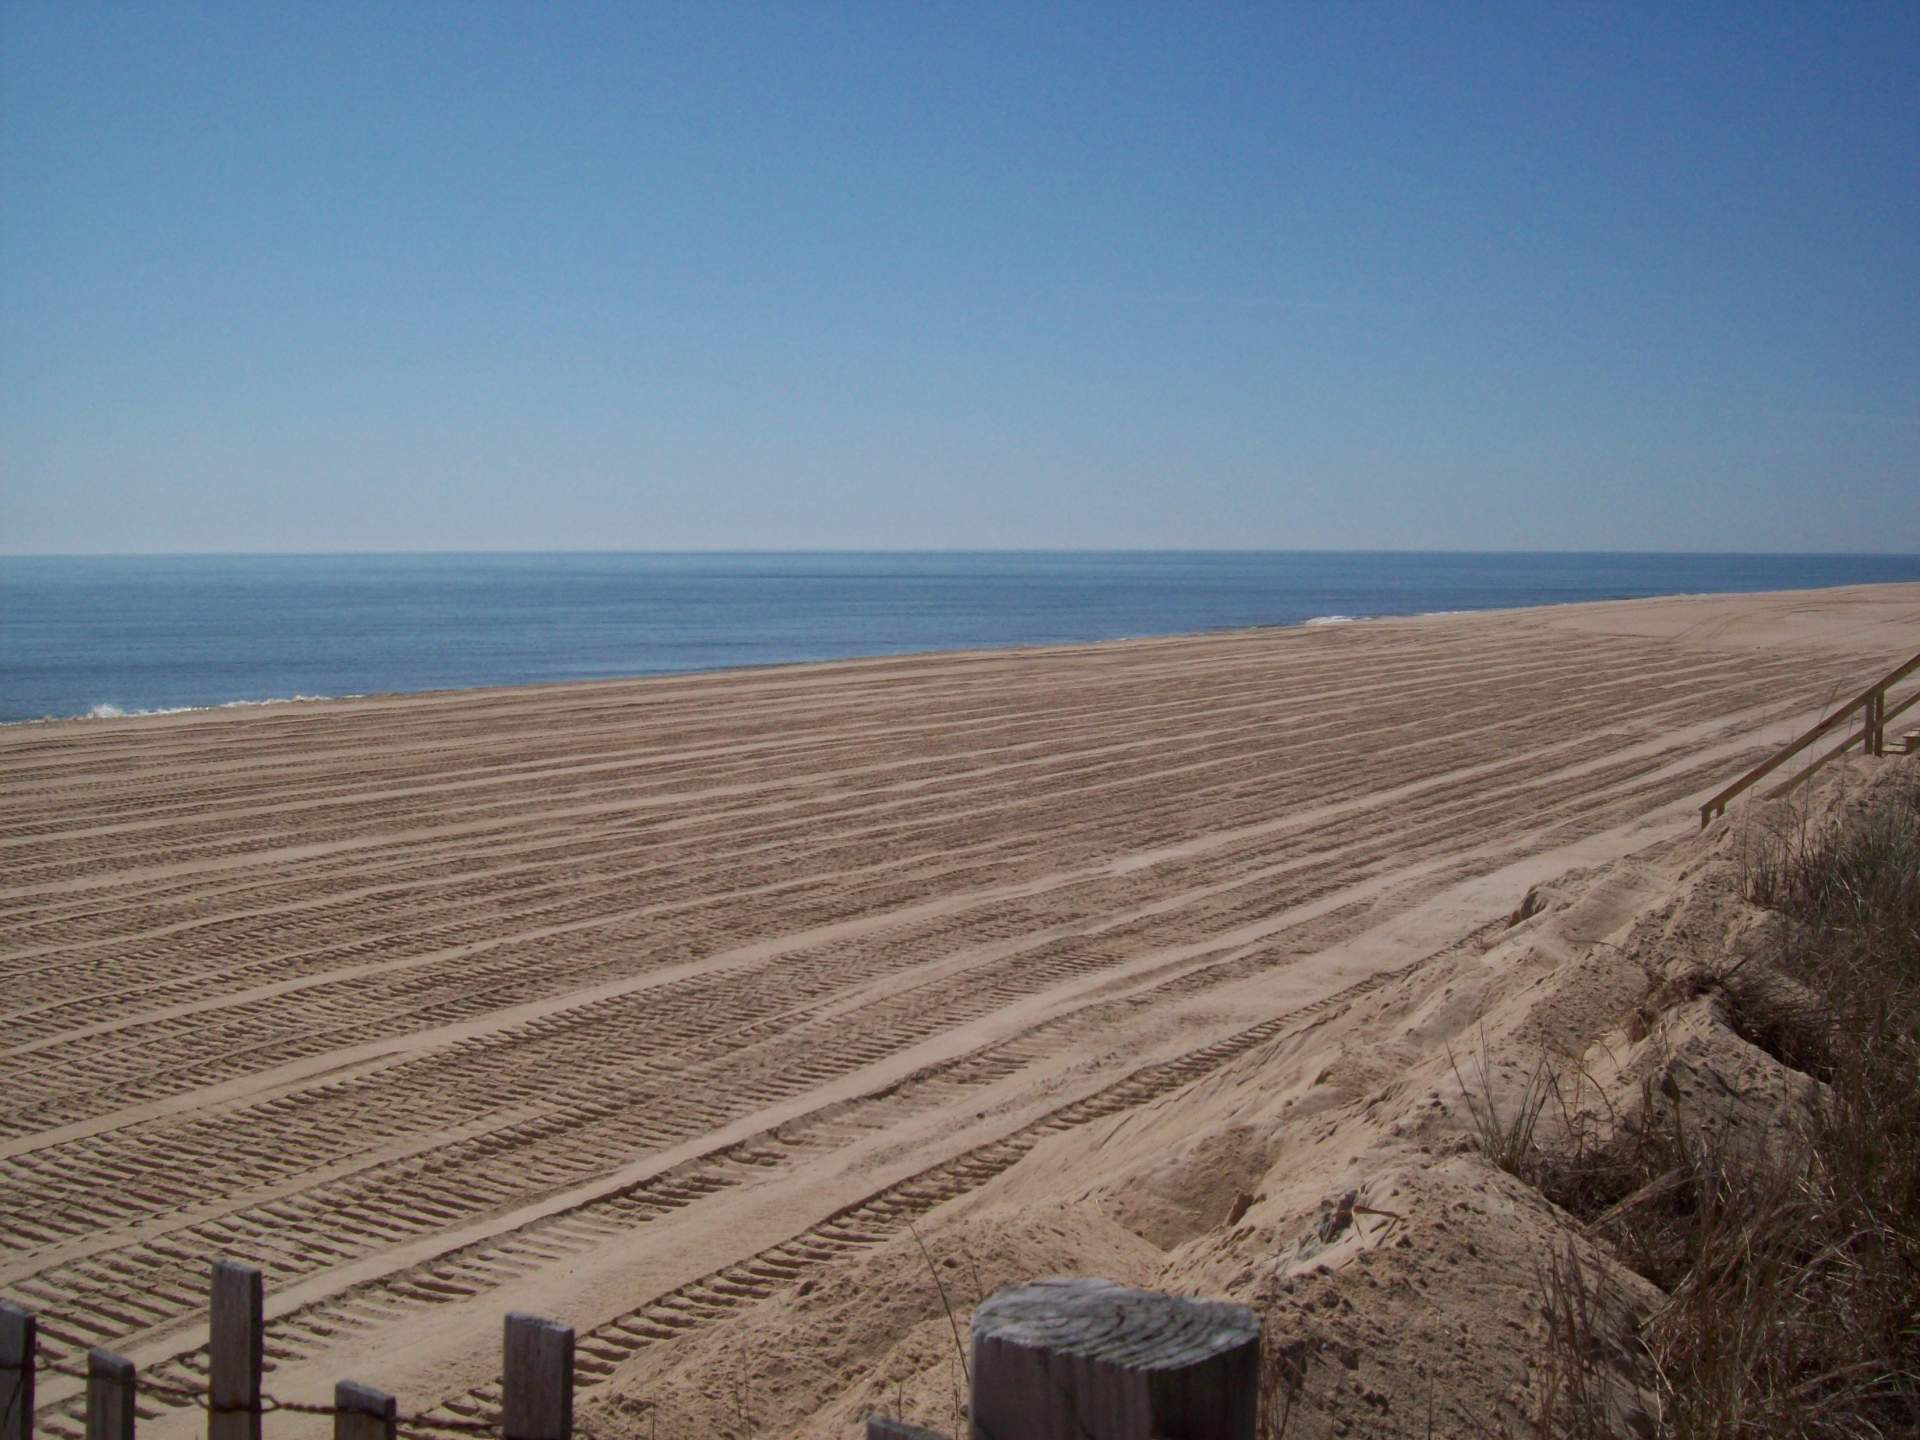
105 711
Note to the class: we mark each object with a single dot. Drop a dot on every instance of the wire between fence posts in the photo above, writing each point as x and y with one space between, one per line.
19 1332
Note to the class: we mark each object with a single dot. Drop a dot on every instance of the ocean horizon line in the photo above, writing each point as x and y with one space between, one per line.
6 555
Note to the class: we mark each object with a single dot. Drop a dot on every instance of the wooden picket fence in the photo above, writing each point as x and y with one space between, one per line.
1056 1359
537 1379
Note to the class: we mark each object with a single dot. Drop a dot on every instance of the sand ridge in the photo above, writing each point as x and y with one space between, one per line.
639 1003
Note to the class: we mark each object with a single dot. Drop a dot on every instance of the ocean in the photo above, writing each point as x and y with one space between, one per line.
114 635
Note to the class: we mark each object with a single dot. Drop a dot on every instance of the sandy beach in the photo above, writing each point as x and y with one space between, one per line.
665 1007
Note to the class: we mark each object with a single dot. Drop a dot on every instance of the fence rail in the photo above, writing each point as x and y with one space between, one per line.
1870 704
1063 1359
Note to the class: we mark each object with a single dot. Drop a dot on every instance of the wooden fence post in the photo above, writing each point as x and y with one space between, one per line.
237 1318
110 1392
361 1412
537 1378
1092 1360
18 1334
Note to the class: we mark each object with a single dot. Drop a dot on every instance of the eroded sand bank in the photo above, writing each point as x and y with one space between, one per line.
648 1004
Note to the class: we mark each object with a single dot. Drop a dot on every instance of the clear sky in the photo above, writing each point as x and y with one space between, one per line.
390 276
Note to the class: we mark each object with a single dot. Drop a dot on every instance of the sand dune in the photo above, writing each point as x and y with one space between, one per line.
641 1003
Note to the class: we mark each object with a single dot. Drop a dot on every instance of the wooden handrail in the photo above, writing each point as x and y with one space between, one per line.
1903 706
1876 745
1862 737
1873 699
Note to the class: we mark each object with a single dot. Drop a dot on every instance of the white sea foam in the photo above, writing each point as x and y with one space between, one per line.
1333 619
105 711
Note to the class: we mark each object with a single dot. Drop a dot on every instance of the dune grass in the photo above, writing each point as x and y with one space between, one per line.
1792 1274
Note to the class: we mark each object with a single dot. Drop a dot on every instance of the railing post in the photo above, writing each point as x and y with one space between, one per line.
19 1332
1068 1358
537 1378
361 1412
237 1318
110 1392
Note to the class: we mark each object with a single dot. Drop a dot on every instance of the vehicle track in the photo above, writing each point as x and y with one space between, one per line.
730 1007
461 1274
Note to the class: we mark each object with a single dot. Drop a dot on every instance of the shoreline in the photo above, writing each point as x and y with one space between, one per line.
106 712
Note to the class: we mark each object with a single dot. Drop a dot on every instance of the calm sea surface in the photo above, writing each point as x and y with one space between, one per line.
121 634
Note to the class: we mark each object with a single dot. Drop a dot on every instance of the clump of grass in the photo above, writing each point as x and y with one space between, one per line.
1576 1403
1857 874
1506 1134
1582 1161
1283 1384
1792 1275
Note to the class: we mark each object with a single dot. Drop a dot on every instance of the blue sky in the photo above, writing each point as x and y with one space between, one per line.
473 276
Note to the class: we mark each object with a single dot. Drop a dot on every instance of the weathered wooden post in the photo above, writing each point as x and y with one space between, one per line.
537 1378
19 1332
361 1412
1092 1360
110 1394
237 1322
